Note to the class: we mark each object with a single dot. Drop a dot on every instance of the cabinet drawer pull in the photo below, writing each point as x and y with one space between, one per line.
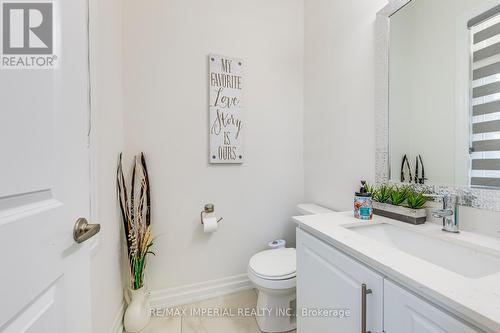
364 292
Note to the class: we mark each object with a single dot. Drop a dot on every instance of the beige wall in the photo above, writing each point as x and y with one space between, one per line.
339 81
166 116
107 137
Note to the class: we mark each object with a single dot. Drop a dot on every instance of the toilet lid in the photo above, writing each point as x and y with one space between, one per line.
274 263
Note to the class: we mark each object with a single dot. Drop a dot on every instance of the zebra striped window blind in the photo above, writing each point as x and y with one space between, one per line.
485 122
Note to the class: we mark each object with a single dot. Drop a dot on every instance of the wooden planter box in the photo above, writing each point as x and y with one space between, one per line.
403 214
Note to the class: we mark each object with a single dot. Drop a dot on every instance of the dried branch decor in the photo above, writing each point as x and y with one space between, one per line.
135 207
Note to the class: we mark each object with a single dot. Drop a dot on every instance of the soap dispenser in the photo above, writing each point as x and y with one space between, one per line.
363 203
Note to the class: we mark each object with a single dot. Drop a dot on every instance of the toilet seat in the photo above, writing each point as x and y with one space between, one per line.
273 278
277 264
269 284
274 269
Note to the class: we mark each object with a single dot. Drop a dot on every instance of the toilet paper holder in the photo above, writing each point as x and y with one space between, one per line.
209 208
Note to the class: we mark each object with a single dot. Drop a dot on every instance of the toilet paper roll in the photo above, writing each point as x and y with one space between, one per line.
277 244
210 224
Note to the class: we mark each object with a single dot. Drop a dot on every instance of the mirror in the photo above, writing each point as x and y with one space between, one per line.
444 92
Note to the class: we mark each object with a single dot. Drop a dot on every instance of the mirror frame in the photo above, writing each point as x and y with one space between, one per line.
481 198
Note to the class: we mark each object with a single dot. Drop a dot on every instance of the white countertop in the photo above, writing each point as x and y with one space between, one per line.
474 300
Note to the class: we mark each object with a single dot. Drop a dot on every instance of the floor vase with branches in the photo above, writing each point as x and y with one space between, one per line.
135 205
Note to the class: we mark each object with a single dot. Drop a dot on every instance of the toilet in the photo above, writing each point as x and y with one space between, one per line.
273 272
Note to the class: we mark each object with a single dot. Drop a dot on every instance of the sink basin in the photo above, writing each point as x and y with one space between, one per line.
462 260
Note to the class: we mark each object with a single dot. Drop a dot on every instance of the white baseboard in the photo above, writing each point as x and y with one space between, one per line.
117 326
199 291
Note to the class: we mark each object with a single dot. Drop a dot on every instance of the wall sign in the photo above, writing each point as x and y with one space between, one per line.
226 109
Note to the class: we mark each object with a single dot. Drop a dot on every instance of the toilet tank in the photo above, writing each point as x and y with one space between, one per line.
312 209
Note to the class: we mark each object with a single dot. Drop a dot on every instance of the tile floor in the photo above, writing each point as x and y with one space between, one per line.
204 324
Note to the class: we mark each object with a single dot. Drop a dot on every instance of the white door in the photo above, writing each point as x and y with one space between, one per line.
404 312
44 185
329 280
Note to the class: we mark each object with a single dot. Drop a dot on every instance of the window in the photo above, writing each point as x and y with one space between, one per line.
485 115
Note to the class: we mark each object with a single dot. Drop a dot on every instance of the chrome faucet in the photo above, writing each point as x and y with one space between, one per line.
449 213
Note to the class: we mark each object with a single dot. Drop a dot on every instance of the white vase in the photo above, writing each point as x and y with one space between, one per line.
138 310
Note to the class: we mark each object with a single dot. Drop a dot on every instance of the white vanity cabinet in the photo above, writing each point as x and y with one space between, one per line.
405 312
329 280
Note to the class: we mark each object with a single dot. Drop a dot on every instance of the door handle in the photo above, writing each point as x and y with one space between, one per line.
82 230
364 292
